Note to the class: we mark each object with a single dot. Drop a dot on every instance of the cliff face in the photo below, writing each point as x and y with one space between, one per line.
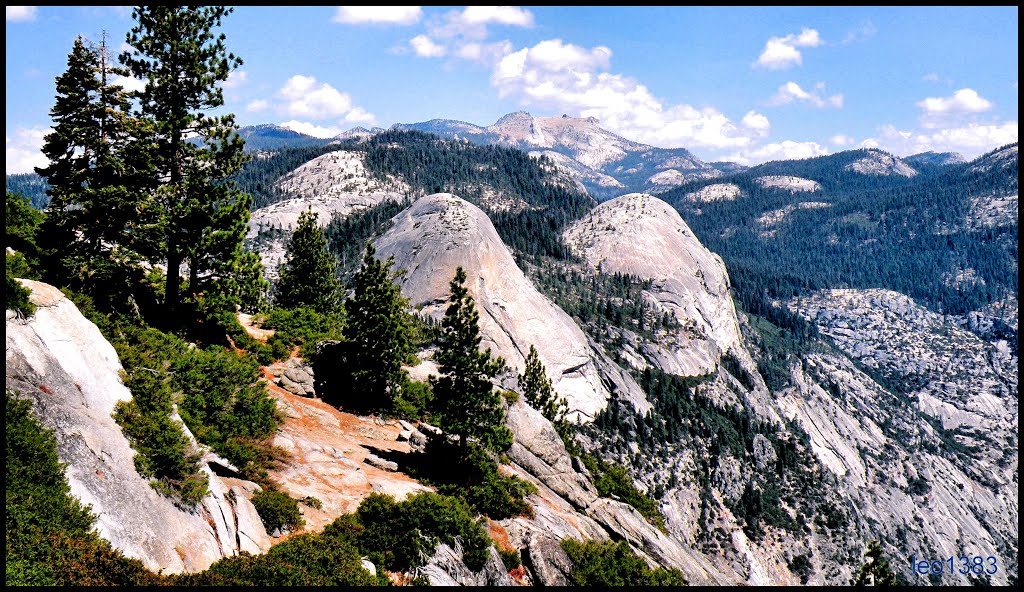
61 362
641 235
441 232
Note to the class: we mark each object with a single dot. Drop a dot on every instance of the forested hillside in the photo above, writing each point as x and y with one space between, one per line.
917 235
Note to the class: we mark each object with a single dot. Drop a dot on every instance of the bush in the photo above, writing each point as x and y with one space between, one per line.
303 560
510 558
414 400
301 327
226 405
278 510
613 481
474 479
48 533
163 451
400 536
16 296
605 563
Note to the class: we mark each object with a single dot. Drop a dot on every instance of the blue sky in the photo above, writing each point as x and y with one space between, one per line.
748 84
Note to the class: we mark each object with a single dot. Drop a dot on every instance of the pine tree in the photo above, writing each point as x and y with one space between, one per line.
205 216
378 331
308 274
876 570
98 173
536 388
464 400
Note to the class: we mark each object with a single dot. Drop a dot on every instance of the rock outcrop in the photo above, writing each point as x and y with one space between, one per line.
441 232
336 183
641 235
61 362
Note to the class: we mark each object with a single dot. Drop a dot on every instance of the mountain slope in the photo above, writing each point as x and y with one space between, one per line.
441 232
597 153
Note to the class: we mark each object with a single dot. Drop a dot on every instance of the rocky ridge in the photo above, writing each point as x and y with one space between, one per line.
441 232
63 365
334 184
881 163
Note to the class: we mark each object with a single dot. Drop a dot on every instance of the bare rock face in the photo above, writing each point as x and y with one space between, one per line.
336 183
446 568
641 235
548 562
61 362
441 232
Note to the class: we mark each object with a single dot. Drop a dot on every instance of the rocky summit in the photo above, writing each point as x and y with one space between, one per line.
441 232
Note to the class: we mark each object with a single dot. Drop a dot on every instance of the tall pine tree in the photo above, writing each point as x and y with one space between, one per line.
308 276
99 174
465 402
378 331
205 218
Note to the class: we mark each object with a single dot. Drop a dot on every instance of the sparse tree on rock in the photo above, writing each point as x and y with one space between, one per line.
876 570
536 388
308 274
465 402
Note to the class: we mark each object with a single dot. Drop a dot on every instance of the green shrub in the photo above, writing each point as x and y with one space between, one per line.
414 400
301 327
226 404
313 502
612 480
474 479
277 510
48 533
16 296
163 451
606 563
303 560
400 536
510 558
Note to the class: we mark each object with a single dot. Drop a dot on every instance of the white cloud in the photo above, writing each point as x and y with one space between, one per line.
971 140
257 105
21 14
129 83
502 15
462 33
389 15
965 100
360 115
304 97
310 129
236 78
785 150
755 121
781 52
792 91
24 150
570 79
931 77
426 48
841 140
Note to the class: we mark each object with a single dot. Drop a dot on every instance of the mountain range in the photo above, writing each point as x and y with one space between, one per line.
789 359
